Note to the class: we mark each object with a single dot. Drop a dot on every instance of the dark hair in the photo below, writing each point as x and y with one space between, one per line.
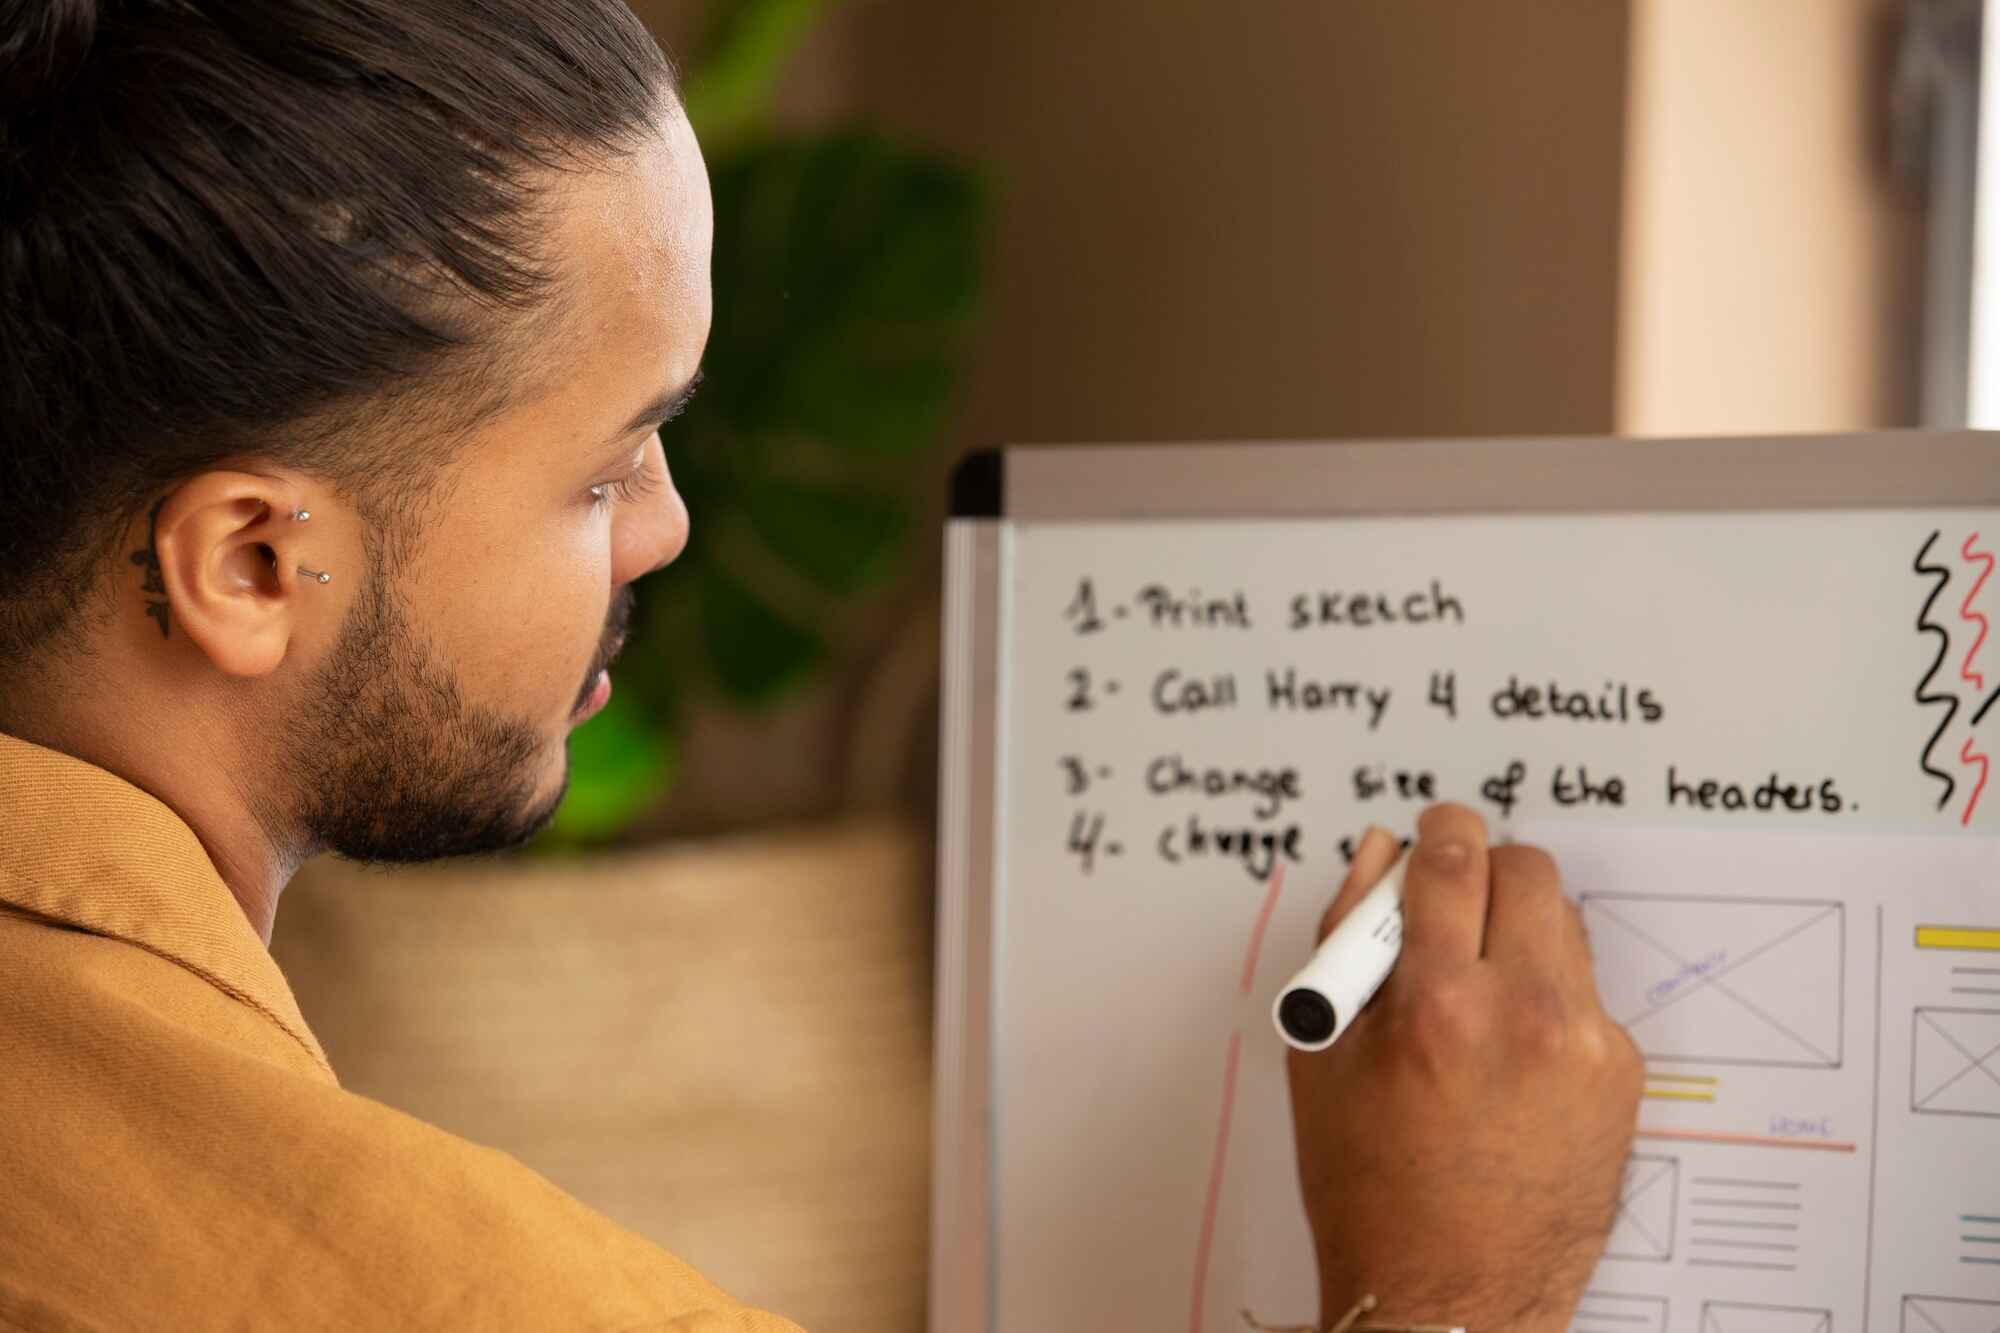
254 226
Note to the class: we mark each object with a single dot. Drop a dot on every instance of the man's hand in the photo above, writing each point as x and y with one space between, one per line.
1461 1145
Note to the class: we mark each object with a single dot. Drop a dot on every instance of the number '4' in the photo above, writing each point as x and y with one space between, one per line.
1444 692
1084 833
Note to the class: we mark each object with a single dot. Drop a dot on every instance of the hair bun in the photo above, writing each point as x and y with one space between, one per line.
43 44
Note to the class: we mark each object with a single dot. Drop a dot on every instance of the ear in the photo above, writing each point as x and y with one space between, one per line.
230 585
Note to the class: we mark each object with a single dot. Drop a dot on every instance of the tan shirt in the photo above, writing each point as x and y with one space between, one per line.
175 1151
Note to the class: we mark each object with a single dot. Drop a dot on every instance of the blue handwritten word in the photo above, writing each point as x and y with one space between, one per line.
1785 1127
1701 967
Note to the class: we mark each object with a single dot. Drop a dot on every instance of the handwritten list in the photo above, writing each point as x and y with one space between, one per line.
1198 720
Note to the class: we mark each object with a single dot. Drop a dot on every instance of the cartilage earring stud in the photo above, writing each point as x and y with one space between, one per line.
300 516
315 574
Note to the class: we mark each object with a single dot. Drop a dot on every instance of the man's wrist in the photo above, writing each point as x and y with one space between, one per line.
1409 1306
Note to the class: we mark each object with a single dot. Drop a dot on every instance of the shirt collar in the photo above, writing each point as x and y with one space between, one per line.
83 847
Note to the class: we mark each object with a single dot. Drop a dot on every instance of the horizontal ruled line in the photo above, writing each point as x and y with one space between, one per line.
1745 1224
1729 1243
1745 1140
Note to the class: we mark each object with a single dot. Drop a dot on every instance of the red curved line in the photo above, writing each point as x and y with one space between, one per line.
1263 920
1214 1199
1969 756
1965 611
1208 1207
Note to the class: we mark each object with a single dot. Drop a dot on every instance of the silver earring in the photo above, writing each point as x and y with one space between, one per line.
300 516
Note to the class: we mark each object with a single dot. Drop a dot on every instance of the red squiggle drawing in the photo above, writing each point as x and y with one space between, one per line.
1966 613
1221 1156
1968 755
1977 679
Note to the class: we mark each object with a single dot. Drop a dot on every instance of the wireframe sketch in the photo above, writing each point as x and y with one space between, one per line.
1743 981
1648 1210
1949 1314
1745 1317
1610 1312
1955 1062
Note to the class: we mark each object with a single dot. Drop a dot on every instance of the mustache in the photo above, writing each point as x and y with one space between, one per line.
617 626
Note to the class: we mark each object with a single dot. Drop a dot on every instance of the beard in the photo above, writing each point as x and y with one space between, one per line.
390 762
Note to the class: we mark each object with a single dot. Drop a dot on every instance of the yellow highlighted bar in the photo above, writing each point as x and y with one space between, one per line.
1974 939
1679 1095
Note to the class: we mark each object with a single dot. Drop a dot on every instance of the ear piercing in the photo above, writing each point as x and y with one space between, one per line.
300 516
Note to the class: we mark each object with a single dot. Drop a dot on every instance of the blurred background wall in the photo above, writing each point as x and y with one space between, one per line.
1305 218
1383 219
1326 219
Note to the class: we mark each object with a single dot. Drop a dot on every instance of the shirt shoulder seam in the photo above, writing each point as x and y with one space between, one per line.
235 993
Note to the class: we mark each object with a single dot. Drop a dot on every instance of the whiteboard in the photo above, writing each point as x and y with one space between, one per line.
1159 726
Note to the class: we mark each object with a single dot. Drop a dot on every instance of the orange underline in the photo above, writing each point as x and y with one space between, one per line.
1746 1140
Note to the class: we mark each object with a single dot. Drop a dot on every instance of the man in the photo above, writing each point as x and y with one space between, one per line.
334 337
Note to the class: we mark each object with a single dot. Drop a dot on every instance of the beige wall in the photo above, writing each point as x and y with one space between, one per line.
1771 273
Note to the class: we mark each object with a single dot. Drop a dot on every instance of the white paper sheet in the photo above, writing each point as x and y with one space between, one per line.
1820 1143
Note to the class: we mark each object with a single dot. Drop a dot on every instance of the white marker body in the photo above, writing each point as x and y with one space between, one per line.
1353 961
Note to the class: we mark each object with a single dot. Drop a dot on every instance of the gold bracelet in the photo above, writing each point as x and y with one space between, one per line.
1350 1323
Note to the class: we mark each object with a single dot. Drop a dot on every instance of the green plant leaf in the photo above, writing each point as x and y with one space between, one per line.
846 274
841 541
649 683
743 57
855 400
758 654
621 763
904 224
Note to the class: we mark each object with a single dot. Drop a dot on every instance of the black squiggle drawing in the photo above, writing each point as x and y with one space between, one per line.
1984 708
1924 698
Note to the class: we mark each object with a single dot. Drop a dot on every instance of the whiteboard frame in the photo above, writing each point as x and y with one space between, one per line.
1291 480
968 816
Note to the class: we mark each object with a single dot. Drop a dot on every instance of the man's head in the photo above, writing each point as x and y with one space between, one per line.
432 271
